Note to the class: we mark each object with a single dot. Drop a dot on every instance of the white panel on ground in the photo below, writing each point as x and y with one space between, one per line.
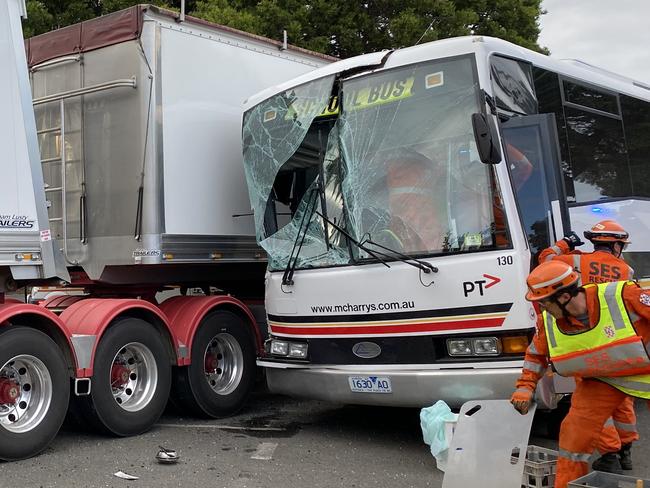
265 451
489 446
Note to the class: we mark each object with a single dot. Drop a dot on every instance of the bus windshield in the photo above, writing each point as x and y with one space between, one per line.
387 156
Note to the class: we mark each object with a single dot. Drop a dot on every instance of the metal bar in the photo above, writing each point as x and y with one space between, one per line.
50 160
56 62
48 131
54 189
109 85
181 17
63 184
284 41
56 219
82 197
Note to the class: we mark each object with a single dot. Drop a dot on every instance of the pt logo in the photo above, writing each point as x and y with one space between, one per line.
470 287
609 331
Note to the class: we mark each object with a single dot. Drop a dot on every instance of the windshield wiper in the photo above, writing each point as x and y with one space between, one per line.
423 265
287 277
374 254
417 263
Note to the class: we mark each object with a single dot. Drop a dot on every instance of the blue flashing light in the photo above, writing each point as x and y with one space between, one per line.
596 209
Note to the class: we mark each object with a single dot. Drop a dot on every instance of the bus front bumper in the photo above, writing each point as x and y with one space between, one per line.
411 386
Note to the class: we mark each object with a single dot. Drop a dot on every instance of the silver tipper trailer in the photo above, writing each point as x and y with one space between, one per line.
139 127
122 176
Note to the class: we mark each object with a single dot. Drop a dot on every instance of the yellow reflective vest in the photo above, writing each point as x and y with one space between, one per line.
611 351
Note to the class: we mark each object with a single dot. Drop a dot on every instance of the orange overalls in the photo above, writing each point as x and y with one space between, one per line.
593 401
601 267
414 204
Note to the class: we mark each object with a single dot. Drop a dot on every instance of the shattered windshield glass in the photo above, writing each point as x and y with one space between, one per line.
290 157
387 156
413 177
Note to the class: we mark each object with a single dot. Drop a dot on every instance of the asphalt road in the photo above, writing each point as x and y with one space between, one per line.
274 442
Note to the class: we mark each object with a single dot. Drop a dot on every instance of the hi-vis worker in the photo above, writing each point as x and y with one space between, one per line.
603 265
415 202
597 332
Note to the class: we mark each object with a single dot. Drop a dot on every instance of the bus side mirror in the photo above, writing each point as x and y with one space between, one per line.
487 142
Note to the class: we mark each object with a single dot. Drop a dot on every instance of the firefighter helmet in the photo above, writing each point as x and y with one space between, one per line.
607 231
549 278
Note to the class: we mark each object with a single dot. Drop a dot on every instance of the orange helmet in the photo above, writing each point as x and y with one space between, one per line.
548 278
607 231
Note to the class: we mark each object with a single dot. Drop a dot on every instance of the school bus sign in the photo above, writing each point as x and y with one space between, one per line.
359 97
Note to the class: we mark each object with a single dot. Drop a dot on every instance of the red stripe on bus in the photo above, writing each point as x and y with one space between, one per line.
390 328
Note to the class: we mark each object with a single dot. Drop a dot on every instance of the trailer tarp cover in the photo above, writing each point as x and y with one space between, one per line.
117 27
114 28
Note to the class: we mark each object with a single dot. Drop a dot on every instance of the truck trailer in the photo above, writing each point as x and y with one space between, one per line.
122 177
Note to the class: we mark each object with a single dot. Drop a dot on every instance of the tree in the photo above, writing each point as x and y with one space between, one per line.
338 27
348 27
47 15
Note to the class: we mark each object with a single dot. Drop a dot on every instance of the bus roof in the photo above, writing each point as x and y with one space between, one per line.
457 46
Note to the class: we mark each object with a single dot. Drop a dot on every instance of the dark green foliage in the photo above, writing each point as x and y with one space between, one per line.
337 27
47 15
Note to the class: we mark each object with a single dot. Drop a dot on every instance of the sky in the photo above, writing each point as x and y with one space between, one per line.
611 34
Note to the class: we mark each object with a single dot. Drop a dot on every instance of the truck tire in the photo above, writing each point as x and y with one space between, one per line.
222 372
34 392
131 380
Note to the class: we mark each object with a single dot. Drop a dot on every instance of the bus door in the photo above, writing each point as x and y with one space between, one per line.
532 153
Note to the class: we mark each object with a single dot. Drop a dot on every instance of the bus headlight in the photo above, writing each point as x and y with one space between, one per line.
298 350
295 350
279 348
459 347
474 346
486 346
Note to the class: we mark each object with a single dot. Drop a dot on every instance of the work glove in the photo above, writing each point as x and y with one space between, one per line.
573 240
521 400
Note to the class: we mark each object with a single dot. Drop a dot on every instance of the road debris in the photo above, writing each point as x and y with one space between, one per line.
124 476
167 456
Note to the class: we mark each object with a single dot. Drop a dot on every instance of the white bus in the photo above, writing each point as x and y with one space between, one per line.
402 196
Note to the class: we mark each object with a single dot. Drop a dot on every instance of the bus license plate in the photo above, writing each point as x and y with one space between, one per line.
370 384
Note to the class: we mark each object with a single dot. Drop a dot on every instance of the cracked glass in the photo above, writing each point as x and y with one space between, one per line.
291 166
389 157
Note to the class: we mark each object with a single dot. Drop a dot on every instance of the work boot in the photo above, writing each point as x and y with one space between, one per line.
608 463
625 457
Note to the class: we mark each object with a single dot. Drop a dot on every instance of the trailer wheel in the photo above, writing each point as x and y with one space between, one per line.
131 380
222 373
34 392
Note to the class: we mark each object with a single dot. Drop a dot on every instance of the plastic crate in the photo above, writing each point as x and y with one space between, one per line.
598 479
539 468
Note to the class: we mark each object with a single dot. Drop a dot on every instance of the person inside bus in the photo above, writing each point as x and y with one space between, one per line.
603 265
521 168
578 329
415 200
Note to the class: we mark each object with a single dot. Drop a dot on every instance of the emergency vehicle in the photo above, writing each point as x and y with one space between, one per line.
402 196
122 180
